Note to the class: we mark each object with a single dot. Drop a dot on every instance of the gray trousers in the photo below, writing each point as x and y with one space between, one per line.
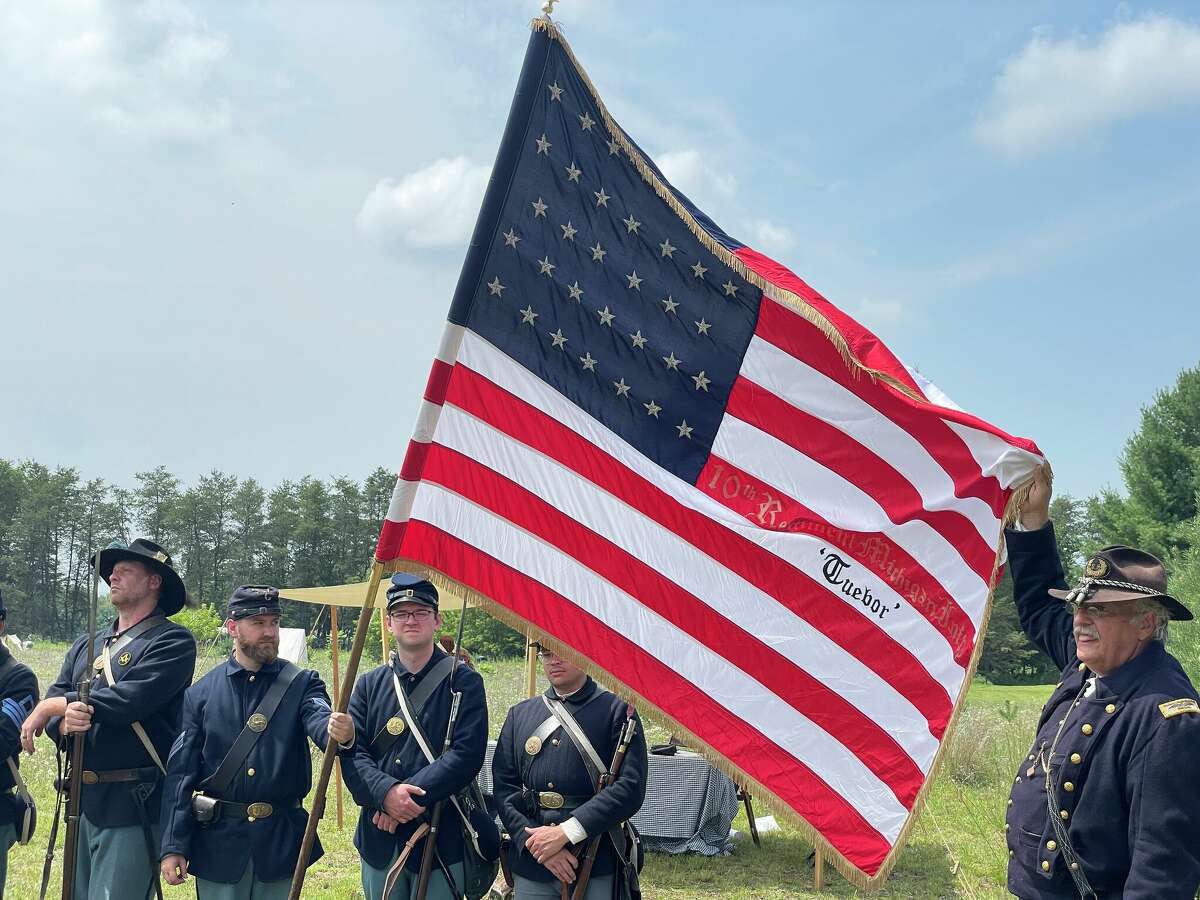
598 889
406 885
113 863
248 888
8 837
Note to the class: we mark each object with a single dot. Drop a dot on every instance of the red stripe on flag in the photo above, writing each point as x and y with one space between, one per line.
439 378
414 461
391 535
744 493
787 777
865 346
841 454
877 749
893 662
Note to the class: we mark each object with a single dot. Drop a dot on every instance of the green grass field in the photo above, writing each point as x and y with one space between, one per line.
956 848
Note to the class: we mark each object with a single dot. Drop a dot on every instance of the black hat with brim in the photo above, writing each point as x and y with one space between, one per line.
1117 573
173 596
405 588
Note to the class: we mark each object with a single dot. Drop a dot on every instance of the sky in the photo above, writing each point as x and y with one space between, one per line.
229 232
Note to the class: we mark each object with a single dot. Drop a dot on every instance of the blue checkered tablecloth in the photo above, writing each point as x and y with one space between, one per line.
689 804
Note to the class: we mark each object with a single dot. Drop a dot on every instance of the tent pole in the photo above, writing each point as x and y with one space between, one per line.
819 871
334 640
383 634
330 754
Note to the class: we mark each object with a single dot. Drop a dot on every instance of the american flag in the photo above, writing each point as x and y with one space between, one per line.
658 447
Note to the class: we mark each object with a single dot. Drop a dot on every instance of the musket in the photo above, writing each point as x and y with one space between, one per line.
435 814
605 779
78 742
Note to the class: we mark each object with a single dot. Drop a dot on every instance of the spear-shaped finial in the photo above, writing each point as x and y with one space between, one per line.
548 7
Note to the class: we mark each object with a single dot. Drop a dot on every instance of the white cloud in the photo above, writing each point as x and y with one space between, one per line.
691 173
1056 92
144 69
771 239
435 206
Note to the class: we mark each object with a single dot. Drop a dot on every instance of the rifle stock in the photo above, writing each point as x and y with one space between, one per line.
74 802
605 779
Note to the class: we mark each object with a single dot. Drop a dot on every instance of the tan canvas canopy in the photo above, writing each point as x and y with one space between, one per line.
352 595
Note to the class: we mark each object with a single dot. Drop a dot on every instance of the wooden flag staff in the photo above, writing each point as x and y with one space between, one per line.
334 640
343 701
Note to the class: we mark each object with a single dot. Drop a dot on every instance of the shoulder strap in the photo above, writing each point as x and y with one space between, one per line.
128 637
20 782
249 735
591 758
106 659
440 672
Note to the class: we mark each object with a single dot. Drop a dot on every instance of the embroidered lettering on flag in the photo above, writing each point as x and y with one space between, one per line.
657 446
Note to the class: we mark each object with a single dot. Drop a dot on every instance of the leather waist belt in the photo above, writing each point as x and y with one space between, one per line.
555 800
252 811
147 773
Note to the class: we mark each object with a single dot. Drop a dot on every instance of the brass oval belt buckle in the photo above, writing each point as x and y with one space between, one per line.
259 810
89 777
550 800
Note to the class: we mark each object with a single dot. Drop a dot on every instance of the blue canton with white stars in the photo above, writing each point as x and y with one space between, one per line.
596 285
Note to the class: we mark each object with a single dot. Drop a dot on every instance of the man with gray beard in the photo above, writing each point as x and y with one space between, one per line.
241 767
1105 805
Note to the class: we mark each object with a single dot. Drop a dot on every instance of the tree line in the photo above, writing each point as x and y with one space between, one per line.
223 531
220 531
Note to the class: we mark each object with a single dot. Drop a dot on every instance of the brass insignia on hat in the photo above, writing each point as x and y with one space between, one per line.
395 725
533 746
1178 707
124 658
257 722
161 557
1096 567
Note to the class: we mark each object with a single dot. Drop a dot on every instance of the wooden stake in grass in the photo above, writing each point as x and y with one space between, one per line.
343 701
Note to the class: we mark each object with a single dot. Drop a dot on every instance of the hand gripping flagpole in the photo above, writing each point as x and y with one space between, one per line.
331 749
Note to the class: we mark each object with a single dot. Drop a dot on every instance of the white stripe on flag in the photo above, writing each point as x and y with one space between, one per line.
996 456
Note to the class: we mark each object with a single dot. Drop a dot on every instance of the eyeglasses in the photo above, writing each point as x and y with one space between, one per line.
415 615
546 654
1091 610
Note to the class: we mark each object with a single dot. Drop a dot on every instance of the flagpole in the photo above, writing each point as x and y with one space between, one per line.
335 639
343 701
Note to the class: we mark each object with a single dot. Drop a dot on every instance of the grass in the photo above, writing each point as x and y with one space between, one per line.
956 849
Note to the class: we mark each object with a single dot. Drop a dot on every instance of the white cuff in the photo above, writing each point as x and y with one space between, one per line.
575 832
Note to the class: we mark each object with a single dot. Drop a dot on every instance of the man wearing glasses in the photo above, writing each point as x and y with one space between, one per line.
1105 803
387 770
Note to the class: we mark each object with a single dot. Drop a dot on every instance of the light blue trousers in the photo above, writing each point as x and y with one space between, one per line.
374 879
525 889
248 888
113 863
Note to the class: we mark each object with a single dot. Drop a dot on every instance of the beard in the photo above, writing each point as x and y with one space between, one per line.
262 652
